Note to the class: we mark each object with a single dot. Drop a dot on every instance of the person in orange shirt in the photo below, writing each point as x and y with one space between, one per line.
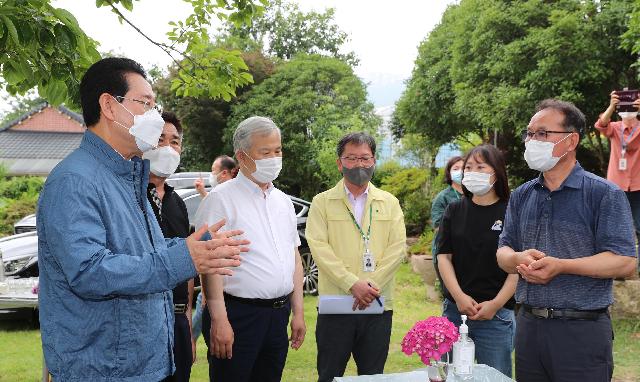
624 162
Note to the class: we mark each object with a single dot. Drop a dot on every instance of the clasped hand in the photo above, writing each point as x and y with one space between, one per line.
364 294
536 267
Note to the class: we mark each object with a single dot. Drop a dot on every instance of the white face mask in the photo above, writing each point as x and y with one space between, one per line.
164 161
267 170
628 114
539 154
146 128
213 180
478 183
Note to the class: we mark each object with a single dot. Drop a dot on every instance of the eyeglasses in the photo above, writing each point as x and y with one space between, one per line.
354 159
541 135
146 104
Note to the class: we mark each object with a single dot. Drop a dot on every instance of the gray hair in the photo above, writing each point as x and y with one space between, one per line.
250 126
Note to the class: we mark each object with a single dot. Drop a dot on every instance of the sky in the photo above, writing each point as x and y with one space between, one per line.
384 35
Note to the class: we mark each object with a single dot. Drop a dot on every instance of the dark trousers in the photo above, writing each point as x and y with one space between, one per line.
260 344
563 350
366 336
182 354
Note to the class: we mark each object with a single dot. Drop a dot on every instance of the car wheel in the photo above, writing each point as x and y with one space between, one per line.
310 270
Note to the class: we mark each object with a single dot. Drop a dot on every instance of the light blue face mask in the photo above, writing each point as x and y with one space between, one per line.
456 176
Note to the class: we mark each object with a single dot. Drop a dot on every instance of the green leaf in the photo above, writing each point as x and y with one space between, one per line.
36 3
67 18
65 37
12 29
127 4
46 40
55 92
11 74
25 31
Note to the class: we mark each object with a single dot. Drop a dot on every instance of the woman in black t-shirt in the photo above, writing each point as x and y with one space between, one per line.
467 242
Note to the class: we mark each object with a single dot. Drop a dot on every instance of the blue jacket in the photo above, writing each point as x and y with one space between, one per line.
106 272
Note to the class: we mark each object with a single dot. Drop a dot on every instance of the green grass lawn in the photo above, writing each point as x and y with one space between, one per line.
21 358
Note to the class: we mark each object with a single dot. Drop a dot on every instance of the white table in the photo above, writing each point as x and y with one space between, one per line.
481 373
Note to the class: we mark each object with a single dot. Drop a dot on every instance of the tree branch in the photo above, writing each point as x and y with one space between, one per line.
166 48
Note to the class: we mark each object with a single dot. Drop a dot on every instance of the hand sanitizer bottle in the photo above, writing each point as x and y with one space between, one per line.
464 351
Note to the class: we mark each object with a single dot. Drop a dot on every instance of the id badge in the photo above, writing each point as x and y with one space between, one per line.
368 263
622 164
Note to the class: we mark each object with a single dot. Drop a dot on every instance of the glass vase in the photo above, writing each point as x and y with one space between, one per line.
438 370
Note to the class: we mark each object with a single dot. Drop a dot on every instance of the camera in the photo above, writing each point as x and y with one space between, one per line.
627 97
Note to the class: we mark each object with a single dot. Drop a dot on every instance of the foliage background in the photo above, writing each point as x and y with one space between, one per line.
18 198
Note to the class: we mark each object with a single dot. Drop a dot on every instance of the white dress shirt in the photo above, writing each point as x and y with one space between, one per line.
269 222
357 203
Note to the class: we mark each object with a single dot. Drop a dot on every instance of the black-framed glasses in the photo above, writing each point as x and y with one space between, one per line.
540 135
146 104
367 160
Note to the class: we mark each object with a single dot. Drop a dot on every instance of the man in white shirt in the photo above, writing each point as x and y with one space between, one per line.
250 309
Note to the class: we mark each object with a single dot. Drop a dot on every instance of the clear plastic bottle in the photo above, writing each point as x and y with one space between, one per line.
464 352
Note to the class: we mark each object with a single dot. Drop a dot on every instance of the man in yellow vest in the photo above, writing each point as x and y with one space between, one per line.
357 238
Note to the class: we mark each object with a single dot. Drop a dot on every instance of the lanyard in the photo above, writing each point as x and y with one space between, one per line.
623 141
368 236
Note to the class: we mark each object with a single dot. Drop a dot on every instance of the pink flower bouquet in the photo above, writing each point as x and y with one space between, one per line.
430 339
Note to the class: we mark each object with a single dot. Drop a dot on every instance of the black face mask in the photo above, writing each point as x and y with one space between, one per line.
358 175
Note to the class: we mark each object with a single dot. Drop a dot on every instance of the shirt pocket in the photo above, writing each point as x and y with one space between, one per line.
339 225
380 222
343 237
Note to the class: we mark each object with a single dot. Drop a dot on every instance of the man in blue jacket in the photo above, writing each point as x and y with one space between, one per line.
106 272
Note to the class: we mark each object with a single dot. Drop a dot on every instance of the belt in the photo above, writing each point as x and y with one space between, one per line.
274 303
179 308
567 314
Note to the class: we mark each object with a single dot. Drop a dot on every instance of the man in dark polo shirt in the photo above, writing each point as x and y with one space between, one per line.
568 233
172 217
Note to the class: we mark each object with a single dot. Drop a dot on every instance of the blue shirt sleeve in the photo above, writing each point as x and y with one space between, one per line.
510 232
76 238
614 225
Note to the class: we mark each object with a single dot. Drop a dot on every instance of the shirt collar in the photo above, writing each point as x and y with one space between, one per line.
338 191
574 180
253 187
107 155
350 195
633 125
167 188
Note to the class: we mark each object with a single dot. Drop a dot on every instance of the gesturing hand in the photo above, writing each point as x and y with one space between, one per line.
199 185
215 233
213 256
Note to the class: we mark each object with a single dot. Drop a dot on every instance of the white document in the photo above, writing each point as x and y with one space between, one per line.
341 304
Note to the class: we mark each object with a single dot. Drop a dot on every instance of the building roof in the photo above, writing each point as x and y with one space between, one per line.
33 152
44 117
37 145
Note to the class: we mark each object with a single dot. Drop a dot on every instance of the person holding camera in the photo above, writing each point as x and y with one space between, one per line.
624 160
